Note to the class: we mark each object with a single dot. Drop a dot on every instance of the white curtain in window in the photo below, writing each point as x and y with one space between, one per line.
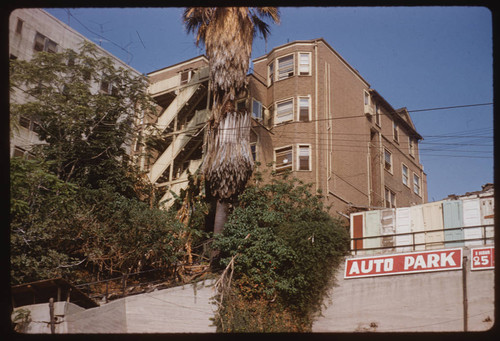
285 67
284 111
304 63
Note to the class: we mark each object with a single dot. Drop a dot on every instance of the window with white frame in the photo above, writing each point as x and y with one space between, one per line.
367 98
285 67
305 63
284 111
416 184
304 156
390 198
304 109
256 109
284 159
405 175
395 131
387 160
270 74
185 77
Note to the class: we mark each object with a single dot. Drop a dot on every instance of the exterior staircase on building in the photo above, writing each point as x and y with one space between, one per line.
179 142
179 184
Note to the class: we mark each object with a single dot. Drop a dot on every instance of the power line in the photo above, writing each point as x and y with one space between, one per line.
452 107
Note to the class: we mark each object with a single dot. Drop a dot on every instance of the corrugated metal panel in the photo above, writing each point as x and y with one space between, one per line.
417 225
472 217
357 220
403 225
453 217
372 227
433 220
487 217
388 218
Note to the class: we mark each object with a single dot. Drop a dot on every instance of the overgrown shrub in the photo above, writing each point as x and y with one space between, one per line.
287 248
61 229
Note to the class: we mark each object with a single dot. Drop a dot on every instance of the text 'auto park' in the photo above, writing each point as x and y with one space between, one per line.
436 260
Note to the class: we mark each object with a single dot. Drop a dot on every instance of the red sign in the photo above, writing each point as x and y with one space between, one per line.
404 263
482 258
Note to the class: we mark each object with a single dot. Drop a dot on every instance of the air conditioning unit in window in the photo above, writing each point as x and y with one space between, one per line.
369 110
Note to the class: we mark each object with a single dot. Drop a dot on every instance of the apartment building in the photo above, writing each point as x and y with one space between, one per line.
32 30
313 114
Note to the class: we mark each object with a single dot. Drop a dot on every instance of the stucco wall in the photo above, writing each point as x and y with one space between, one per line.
423 302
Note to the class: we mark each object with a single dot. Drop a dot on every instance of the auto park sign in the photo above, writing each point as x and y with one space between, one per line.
404 263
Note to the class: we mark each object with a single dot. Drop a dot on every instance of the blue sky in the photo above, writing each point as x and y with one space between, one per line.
415 57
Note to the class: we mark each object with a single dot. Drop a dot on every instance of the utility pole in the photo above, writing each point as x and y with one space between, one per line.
464 286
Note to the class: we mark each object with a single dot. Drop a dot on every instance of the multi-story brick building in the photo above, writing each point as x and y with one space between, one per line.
314 115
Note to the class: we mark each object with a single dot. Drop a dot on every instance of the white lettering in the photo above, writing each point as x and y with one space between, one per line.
433 260
447 259
388 264
378 264
420 262
370 266
409 261
354 268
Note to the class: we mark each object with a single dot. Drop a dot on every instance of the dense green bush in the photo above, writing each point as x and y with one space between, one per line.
61 229
287 260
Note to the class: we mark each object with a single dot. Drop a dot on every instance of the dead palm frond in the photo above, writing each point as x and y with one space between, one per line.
227 34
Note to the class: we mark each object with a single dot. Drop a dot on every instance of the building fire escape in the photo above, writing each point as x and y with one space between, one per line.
184 103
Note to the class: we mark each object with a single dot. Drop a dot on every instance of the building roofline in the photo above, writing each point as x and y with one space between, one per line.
397 113
166 68
312 41
69 28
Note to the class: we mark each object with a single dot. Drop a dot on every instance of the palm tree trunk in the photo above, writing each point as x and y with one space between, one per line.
221 211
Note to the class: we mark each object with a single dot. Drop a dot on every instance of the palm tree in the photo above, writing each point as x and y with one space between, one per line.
227 33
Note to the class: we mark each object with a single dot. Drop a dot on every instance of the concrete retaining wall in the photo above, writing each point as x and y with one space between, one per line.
183 309
410 303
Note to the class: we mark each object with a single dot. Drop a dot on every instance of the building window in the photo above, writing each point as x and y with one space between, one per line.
285 67
377 114
304 161
105 85
256 109
416 184
305 63
304 109
411 146
19 26
284 159
43 43
284 111
367 98
387 160
395 131
24 122
50 46
253 148
270 74
39 42
390 198
405 175
185 77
